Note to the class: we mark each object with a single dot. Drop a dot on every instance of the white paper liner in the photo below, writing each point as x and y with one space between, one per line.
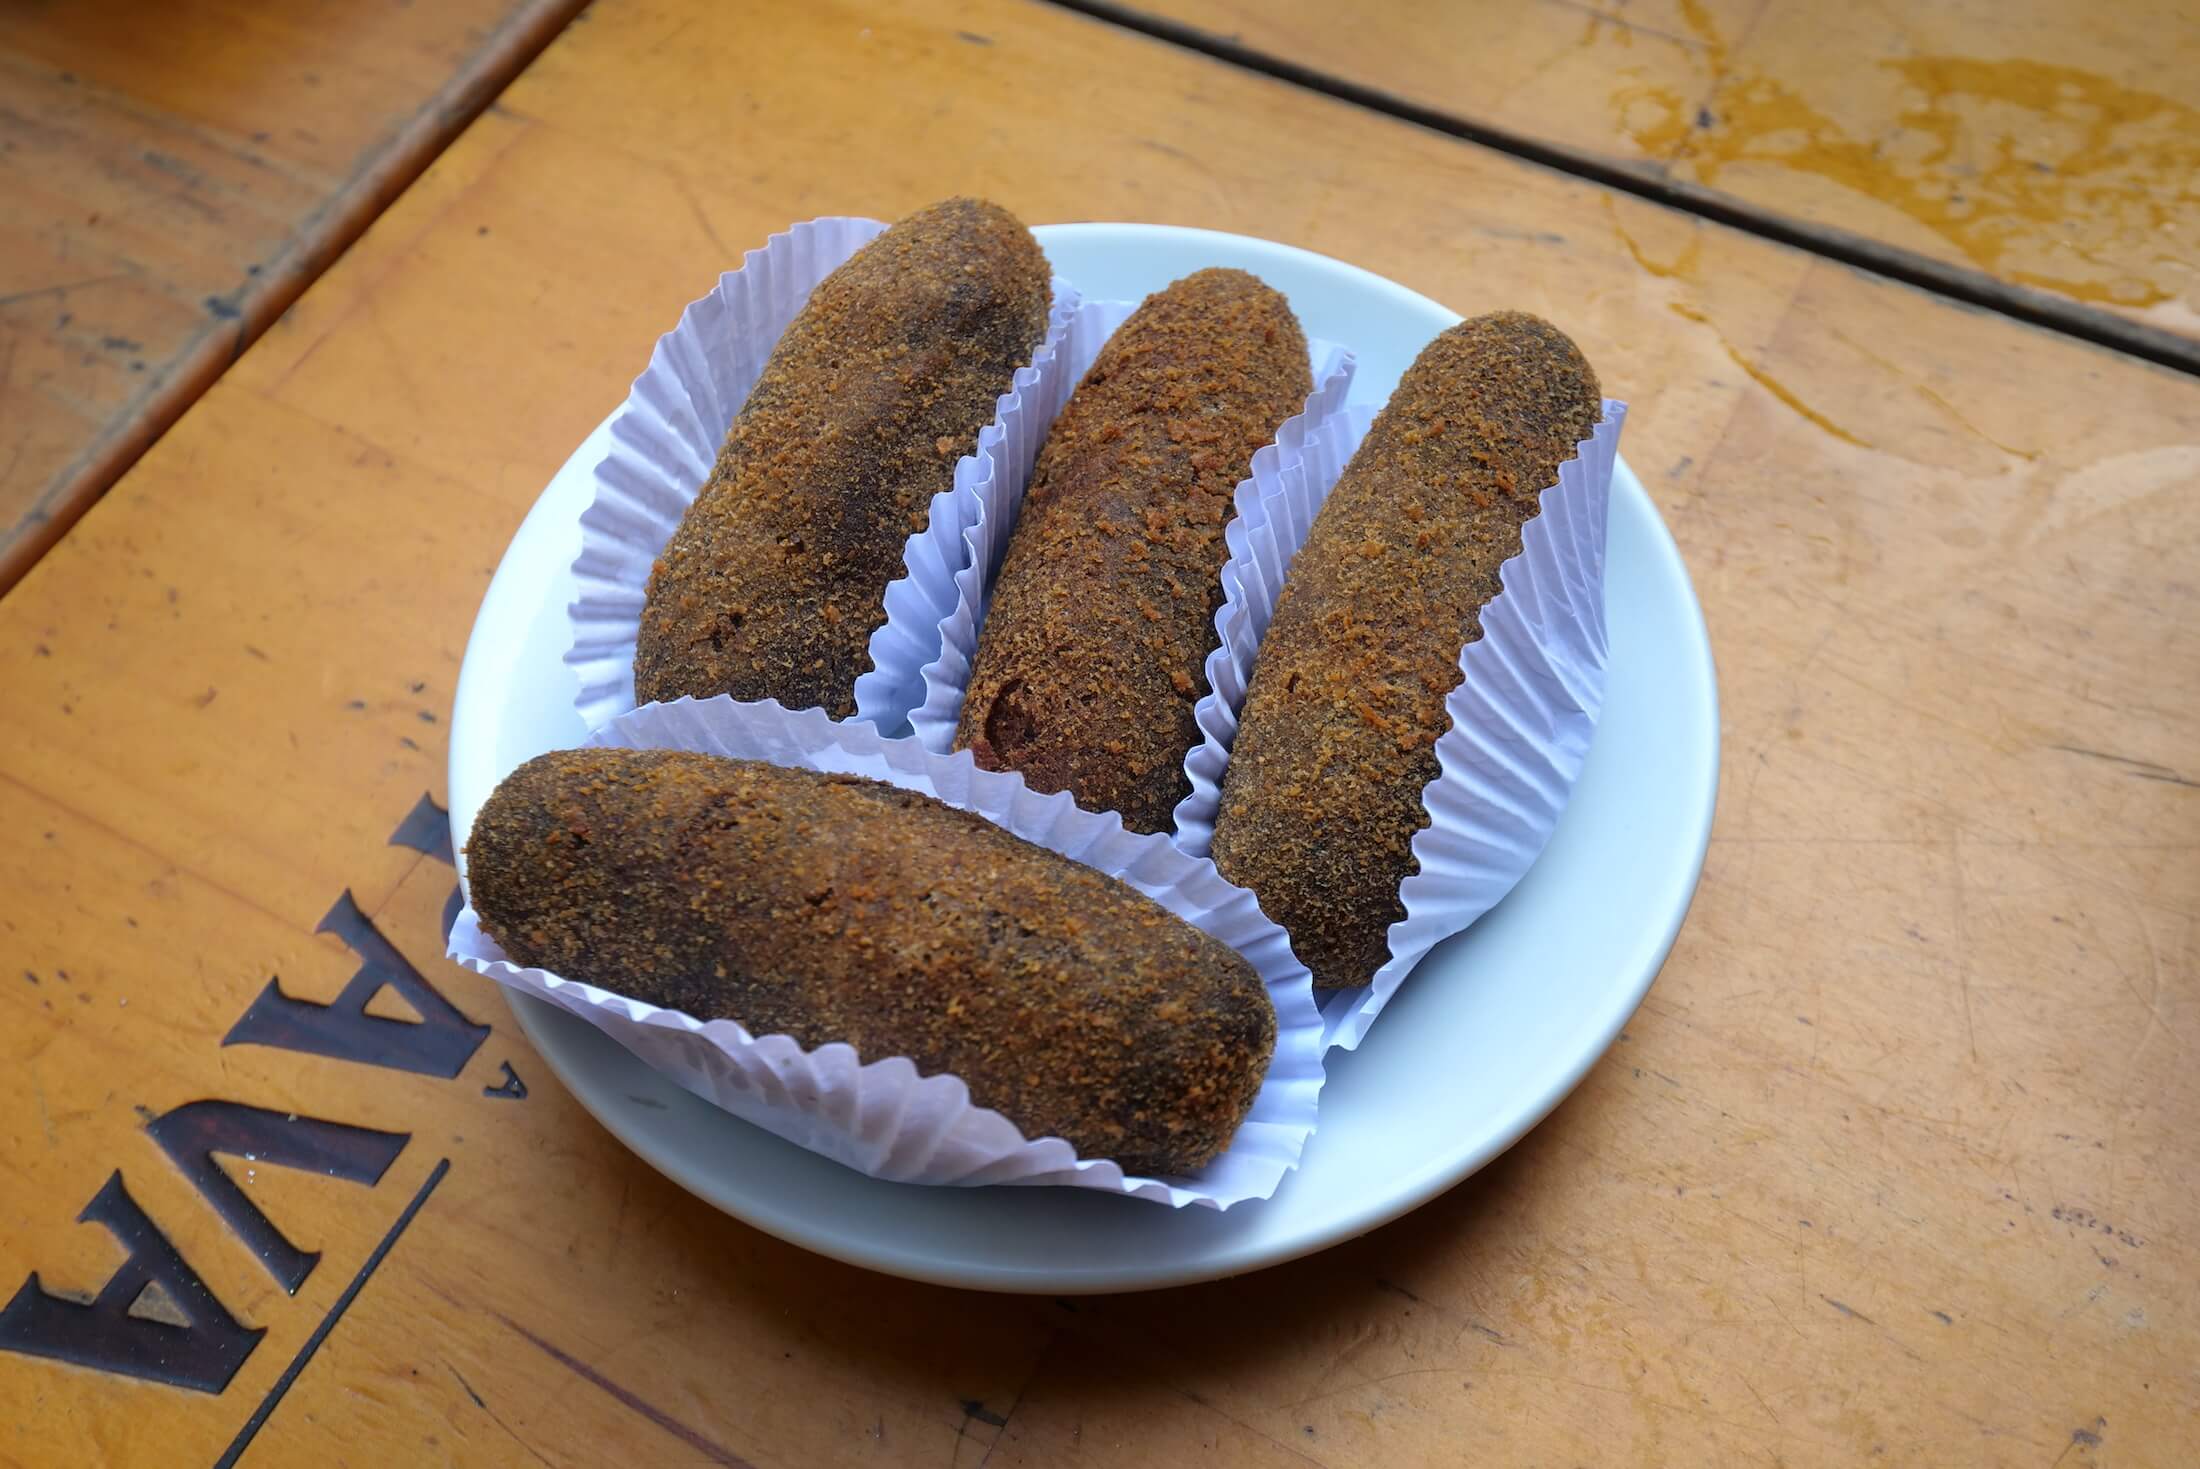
665 438
989 512
1521 718
881 1117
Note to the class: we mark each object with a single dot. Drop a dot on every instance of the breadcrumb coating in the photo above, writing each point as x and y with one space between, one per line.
1322 797
776 578
1092 654
835 908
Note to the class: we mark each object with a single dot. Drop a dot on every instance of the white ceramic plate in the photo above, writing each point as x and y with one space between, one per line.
1487 1035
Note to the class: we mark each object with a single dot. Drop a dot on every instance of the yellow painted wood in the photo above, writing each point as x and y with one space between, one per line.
174 176
1899 1158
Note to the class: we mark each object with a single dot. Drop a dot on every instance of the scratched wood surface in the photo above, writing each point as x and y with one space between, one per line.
174 175
1899 1159
2040 144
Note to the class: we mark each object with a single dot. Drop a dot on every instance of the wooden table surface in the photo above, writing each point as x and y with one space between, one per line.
1899 1162
175 175
2049 152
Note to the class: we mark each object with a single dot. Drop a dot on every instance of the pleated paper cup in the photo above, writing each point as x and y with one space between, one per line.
1529 693
991 504
879 1114
665 439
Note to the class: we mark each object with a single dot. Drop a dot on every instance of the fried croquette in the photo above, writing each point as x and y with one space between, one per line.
835 908
1092 656
1323 793
776 578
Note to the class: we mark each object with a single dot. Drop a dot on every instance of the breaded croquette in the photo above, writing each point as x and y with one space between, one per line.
776 578
1091 657
835 908
1322 796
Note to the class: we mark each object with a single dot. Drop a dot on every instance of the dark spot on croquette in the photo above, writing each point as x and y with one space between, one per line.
1093 652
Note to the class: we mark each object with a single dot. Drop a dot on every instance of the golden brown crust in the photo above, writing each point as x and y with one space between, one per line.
1091 657
833 908
1322 796
776 578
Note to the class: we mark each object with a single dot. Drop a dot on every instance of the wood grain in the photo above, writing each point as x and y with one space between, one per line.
2047 152
175 176
1899 1158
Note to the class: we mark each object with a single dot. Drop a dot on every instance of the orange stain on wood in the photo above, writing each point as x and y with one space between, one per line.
2044 175
1766 380
2040 147
1683 267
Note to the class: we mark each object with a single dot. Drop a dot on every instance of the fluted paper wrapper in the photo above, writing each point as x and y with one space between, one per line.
992 501
665 438
1521 718
878 1115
